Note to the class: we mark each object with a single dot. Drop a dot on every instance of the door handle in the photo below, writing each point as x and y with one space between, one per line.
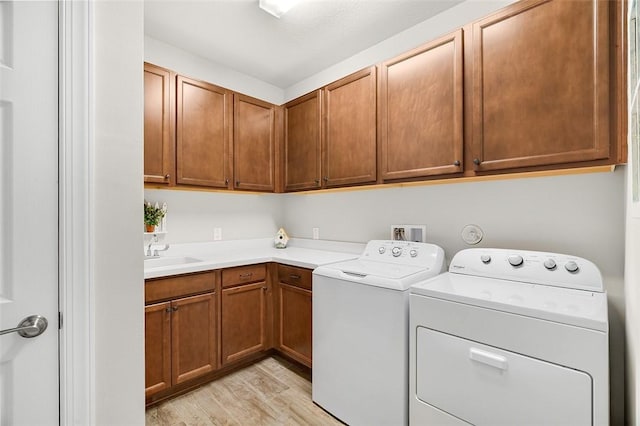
31 326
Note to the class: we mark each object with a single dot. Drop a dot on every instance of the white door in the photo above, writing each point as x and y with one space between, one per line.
29 210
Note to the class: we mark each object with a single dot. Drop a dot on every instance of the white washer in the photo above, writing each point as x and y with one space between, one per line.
510 337
360 331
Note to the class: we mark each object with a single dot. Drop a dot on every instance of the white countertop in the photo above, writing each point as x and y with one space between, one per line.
224 254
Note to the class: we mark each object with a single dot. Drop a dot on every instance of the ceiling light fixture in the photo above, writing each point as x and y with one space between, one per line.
277 7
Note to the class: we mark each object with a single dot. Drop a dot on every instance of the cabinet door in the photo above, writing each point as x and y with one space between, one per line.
294 322
302 142
350 130
243 321
157 345
203 133
420 102
158 125
541 84
253 144
193 334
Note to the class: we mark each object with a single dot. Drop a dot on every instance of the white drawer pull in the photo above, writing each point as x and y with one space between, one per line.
488 358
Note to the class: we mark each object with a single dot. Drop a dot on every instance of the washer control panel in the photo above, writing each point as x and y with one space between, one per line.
402 252
554 269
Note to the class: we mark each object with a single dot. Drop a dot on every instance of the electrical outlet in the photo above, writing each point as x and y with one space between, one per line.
316 233
217 234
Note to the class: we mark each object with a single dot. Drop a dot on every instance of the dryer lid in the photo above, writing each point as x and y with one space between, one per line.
581 308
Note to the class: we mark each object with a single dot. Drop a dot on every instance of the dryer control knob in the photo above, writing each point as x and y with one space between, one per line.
485 258
413 253
571 266
381 250
396 251
550 264
515 260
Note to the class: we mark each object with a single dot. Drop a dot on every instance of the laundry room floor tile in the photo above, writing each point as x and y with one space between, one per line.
270 392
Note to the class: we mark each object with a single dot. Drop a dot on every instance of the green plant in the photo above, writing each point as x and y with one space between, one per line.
152 215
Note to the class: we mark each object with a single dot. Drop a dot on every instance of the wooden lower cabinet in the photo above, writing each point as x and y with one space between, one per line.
293 316
180 332
192 336
180 341
157 347
244 321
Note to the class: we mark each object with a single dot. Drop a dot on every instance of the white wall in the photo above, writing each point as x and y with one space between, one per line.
632 270
632 299
192 215
117 281
190 65
581 215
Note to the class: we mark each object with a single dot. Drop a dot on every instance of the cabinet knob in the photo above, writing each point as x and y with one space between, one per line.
175 308
237 183
456 163
167 177
168 310
294 277
326 178
317 181
264 288
476 161
226 181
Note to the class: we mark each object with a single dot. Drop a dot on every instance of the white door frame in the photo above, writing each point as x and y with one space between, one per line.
77 355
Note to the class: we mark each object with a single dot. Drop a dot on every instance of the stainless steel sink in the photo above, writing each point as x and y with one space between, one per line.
158 262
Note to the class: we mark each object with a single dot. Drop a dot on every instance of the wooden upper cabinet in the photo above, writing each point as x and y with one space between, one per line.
421 111
158 125
349 149
203 124
254 141
302 142
541 85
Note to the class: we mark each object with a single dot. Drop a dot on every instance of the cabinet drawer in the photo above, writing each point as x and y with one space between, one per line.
298 277
243 275
177 286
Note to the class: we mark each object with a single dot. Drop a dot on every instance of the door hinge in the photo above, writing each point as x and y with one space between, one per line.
59 320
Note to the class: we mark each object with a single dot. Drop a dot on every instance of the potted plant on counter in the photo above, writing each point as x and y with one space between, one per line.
152 216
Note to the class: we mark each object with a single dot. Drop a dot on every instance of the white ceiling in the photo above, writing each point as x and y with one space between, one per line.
311 37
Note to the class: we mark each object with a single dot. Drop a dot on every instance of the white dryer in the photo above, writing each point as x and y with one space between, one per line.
361 331
510 337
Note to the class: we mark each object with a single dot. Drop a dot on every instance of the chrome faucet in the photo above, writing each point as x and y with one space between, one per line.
148 253
155 252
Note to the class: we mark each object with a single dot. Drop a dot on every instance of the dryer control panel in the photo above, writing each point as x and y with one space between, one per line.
403 253
546 268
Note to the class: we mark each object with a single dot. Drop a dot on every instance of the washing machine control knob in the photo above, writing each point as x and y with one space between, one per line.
413 253
381 250
485 258
396 251
550 264
515 260
571 266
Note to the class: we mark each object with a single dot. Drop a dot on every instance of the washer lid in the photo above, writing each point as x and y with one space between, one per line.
568 306
380 274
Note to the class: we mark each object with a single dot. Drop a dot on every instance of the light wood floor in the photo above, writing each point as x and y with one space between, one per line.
270 392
